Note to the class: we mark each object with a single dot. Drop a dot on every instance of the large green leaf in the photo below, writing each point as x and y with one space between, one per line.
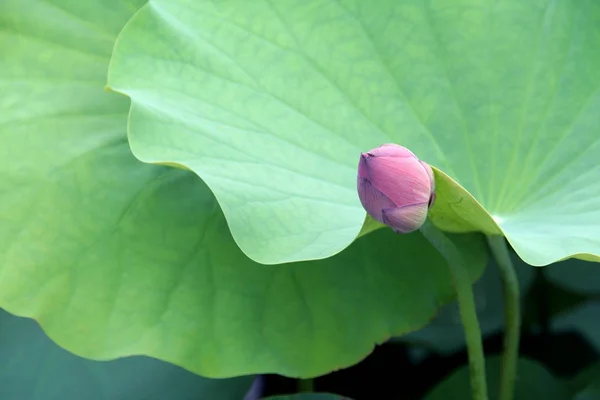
34 368
271 103
114 257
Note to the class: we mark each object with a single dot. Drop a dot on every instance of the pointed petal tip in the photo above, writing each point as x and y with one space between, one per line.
362 166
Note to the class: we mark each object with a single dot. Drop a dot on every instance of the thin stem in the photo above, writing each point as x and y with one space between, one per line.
512 315
466 304
305 385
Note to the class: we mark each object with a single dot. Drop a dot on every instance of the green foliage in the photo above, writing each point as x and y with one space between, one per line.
534 382
264 106
585 319
445 333
272 102
587 384
575 275
34 368
115 257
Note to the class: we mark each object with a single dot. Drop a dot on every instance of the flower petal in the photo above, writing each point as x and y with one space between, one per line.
391 150
372 199
405 219
402 179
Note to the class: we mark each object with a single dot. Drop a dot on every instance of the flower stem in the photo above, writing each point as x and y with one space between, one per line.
466 303
305 385
510 286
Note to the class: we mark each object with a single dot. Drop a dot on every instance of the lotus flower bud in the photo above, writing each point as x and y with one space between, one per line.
395 187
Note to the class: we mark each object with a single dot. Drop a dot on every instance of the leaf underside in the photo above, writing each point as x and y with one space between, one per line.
115 257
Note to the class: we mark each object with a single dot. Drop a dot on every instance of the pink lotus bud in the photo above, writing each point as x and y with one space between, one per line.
395 187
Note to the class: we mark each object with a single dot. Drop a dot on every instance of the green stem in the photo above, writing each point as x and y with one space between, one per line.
512 315
305 385
466 303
